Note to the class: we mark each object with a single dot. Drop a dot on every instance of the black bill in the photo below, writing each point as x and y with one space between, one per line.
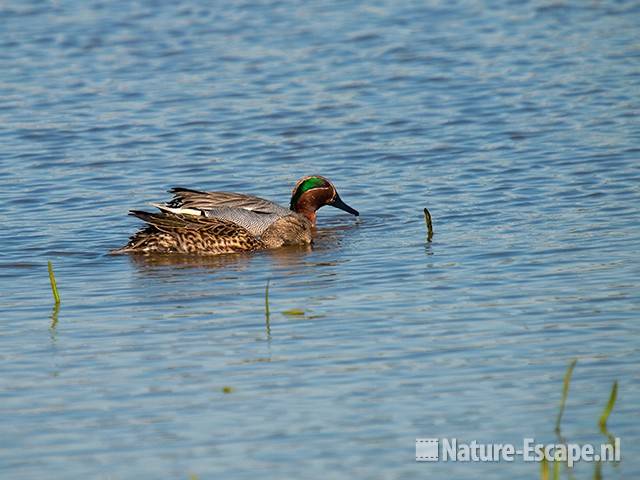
338 203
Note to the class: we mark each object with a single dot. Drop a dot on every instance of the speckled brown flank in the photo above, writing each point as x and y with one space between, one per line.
170 233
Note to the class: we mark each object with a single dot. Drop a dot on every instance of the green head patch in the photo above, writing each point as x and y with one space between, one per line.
308 184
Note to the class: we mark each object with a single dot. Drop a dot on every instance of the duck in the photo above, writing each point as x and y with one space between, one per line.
213 223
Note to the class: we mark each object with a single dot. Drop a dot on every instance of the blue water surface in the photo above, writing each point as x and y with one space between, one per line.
515 123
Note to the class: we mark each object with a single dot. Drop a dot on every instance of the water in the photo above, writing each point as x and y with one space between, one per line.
515 123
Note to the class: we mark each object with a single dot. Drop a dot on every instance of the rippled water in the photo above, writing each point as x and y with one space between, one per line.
516 123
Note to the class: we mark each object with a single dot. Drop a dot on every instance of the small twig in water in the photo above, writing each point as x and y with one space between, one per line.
427 219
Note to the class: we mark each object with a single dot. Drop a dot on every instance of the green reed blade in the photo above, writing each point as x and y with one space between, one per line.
597 472
266 311
266 300
565 392
54 287
607 410
544 469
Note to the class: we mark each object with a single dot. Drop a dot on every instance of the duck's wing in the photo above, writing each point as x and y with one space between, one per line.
168 232
255 221
167 221
185 198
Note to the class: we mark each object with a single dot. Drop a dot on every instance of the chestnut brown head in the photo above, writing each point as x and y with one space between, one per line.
314 192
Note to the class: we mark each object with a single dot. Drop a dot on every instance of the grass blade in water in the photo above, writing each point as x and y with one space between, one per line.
54 287
266 300
607 410
266 310
544 469
565 392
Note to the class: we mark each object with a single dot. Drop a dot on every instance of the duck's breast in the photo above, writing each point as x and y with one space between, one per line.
292 229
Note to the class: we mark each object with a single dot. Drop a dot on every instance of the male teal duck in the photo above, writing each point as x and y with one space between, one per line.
211 223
